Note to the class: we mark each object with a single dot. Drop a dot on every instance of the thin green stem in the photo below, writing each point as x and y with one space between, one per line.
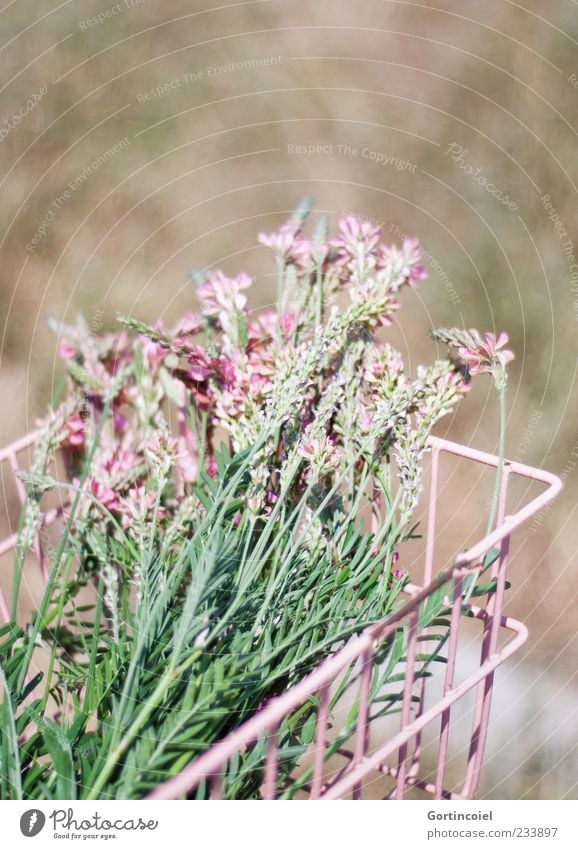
171 674
501 454
54 574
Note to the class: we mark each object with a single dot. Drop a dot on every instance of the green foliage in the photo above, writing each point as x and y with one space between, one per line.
212 628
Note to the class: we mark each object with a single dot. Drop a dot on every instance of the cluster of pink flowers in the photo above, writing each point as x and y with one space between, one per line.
341 396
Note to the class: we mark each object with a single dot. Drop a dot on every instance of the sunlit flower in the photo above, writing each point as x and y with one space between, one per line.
162 452
187 461
201 365
66 351
322 454
189 325
287 244
355 235
404 264
482 355
154 353
105 495
74 432
219 293
118 462
138 507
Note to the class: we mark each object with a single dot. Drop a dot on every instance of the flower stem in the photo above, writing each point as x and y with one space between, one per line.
501 452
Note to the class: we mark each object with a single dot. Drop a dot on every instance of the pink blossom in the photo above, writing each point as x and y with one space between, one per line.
107 496
280 240
288 245
219 293
139 505
66 351
364 419
288 322
356 234
201 364
382 363
120 423
187 462
261 369
154 353
163 447
482 355
118 462
75 431
264 327
405 262
225 370
321 452
454 380
189 325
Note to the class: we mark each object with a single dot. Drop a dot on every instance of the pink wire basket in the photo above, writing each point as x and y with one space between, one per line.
369 739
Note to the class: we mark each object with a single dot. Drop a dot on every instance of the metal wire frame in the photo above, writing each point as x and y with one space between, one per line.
360 653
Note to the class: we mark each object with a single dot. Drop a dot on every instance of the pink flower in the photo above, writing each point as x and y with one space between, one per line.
264 327
286 243
187 462
399 574
74 432
118 462
120 423
288 322
280 240
66 351
405 262
382 363
154 354
162 450
107 496
219 293
260 369
364 417
483 355
201 364
356 234
139 505
322 454
454 380
189 325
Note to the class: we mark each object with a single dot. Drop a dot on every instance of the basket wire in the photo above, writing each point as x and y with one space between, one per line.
394 641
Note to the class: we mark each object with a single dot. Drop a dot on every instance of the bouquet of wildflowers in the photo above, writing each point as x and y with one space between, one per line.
238 491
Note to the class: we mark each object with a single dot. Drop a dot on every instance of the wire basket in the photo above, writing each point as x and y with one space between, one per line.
350 700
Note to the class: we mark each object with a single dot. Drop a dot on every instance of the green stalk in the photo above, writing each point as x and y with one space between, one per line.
62 599
54 573
318 296
171 674
93 649
20 551
11 754
501 387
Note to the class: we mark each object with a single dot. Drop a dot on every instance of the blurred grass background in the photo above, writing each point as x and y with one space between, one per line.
140 140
